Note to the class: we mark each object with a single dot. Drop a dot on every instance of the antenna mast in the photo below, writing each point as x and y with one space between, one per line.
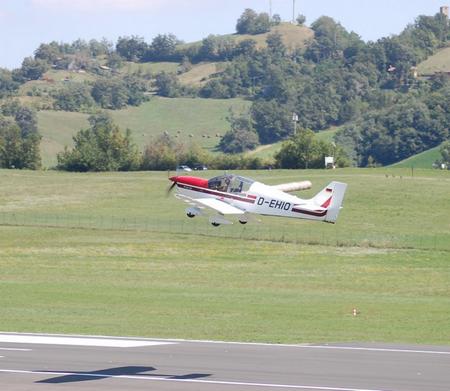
293 11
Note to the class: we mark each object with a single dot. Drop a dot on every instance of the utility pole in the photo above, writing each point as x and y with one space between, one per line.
295 120
293 11
270 9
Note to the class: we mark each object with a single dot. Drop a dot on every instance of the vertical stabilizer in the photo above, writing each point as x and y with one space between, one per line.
331 198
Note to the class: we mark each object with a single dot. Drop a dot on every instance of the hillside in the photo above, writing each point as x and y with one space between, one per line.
293 36
187 120
439 62
424 159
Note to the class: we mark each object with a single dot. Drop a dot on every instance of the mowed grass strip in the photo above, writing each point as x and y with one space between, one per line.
179 286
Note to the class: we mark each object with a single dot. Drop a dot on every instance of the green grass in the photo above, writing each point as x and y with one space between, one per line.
382 208
424 159
197 120
160 285
439 62
200 73
110 254
153 67
57 129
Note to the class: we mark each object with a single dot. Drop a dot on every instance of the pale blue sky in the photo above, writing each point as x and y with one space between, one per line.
24 24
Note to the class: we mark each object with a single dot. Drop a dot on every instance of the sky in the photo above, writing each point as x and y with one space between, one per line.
24 24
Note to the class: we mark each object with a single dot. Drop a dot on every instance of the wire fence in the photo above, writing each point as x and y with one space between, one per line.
311 233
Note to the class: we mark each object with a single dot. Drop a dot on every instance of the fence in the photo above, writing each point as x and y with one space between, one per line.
308 233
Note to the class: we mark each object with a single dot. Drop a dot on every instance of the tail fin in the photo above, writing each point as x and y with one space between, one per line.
331 199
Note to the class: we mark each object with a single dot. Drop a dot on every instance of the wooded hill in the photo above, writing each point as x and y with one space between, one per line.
390 98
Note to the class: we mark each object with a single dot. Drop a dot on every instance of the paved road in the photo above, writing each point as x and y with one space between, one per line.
33 362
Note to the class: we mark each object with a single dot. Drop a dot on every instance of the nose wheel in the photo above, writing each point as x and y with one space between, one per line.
190 215
243 221
215 224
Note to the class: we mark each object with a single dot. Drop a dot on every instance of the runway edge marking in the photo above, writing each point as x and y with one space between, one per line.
79 341
218 382
179 340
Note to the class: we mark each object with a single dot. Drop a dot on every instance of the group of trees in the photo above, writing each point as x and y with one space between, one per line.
108 93
412 125
304 150
19 137
101 147
251 22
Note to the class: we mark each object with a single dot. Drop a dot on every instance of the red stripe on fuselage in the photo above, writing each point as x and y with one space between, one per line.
310 212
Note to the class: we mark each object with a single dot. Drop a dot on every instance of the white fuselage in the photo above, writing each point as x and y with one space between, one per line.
260 199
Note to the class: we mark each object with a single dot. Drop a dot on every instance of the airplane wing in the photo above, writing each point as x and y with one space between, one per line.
213 203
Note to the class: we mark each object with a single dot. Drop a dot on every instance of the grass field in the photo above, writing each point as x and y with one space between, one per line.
109 254
200 73
440 62
293 36
198 120
152 67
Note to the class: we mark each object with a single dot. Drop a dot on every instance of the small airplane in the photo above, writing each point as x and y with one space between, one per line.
231 195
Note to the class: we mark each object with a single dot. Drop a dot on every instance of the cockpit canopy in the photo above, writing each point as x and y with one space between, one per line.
230 183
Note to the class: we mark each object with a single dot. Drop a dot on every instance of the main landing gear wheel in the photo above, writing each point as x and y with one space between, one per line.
215 224
243 221
190 215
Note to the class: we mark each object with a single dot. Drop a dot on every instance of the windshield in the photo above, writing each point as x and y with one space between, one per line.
230 183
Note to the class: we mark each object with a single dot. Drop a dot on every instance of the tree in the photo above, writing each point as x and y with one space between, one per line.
272 121
275 45
276 20
246 21
33 69
162 153
100 48
48 52
252 23
167 84
114 61
7 85
304 151
301 19
163 48
110 93
73 97
10 145
19 140
242 136
136 90
131 48
101 147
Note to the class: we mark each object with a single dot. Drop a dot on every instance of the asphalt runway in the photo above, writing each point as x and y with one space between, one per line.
49 362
